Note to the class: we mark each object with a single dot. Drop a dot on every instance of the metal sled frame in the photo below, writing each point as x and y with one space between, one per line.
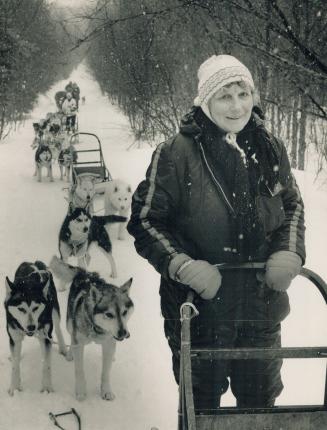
311 417
53 418
94 167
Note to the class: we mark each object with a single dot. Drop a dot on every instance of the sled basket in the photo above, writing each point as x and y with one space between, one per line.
89 157
294 417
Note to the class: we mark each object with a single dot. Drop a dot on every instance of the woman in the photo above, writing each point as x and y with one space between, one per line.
221 191
69 108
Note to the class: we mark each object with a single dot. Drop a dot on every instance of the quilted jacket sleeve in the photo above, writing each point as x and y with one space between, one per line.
290 236
154 208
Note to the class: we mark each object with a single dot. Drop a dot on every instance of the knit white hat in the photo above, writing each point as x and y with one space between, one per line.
216 72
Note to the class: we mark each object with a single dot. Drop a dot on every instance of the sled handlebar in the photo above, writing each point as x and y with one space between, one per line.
306 273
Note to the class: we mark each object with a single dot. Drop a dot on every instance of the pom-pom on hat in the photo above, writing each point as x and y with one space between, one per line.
216 72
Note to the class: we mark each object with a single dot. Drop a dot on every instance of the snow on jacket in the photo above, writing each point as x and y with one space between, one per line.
182 206
69 107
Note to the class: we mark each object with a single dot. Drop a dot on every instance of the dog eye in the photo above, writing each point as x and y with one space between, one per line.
35 308
22 310
124 313
109 315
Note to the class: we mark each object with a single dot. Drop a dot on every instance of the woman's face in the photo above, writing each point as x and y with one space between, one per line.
231 107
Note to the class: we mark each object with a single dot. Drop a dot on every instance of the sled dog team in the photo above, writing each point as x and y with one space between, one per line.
97 311
52 145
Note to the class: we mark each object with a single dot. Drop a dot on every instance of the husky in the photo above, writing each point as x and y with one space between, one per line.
32 309
118 199
96 312
79 230
65 159
82 193
43 158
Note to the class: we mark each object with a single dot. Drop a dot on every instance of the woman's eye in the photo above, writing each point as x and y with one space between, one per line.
244 94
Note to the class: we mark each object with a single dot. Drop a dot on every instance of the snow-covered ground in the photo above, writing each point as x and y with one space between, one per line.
146 394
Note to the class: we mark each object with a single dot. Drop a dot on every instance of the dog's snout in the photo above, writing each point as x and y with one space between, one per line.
31 327
123 334
85 229
88 197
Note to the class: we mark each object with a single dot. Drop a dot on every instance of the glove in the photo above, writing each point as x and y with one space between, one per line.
201 276
281 268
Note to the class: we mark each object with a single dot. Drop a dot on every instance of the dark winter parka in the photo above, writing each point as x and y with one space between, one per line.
184 206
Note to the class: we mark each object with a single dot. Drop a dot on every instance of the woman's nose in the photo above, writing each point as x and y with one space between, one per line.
236 105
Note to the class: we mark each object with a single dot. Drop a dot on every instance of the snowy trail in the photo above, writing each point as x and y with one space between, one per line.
146 394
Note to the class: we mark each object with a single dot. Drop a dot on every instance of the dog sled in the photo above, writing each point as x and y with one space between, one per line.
89 157
293 417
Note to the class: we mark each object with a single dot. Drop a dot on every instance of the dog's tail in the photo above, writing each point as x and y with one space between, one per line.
108 219
62 270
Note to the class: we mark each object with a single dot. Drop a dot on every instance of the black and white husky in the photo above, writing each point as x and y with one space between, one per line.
65 159
32 309
96 312
43 158
79 230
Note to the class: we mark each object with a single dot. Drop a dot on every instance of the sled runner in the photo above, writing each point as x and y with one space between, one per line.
89 157
53 418
293 417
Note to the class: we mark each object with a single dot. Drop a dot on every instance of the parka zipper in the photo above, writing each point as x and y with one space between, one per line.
220 189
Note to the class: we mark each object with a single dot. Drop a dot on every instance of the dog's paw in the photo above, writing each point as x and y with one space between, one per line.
107 394
13 388
63 352
80 390
47 389
80 395
69 356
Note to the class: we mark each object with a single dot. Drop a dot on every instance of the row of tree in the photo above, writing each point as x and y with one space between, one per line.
146 53
34 53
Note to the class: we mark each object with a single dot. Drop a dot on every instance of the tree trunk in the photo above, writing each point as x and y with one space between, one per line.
295 127
302 134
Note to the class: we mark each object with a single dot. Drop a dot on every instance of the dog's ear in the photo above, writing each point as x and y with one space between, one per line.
125 287
70 208
46 288
95 294
9 287
94 178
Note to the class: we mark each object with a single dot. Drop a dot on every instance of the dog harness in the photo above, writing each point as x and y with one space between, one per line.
77 245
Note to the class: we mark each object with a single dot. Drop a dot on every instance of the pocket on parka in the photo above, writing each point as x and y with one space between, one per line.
271 211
